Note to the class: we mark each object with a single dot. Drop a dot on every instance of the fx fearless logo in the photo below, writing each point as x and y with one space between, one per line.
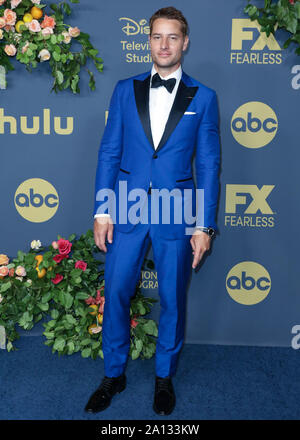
247 206
251 46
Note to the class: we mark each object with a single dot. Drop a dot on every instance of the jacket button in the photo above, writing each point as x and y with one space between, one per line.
155 156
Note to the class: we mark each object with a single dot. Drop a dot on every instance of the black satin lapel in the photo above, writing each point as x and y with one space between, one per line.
183 98
141 92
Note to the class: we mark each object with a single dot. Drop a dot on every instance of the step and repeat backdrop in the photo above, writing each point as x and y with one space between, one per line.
246 291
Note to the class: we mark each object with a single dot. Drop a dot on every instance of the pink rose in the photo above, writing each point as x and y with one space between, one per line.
3 271
90 300
20 271
10 50
15 3
25 47
54 245
74 32
80 265
1 2
11 272
9 27
2 22
34 26
64 246
48 22
47 31
57 279
10 16
133 323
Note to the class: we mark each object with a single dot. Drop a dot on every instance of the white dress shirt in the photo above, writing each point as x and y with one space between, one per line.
160 104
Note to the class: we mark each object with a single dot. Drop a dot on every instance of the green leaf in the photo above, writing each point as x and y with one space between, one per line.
9 346
5 286
70 319
82 295
135 354
59 75
59 344
71 347
85 341
43 306
67 8
53 39
54 314
86 352
49 335
138 345
68 299
72 237
150 327
46 297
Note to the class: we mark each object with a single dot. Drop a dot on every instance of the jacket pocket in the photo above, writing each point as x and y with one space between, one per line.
184 180
124 171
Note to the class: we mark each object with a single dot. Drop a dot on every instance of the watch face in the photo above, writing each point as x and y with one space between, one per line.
211 232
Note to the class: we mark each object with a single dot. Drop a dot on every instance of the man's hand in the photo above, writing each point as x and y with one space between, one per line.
200 242
103 227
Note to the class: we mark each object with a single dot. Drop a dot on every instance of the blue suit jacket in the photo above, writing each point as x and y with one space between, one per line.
127 152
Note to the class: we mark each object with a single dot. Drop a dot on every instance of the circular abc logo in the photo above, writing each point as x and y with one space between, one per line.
36 200
248 283
254 124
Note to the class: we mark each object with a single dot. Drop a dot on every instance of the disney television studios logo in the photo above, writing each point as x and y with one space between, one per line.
137 48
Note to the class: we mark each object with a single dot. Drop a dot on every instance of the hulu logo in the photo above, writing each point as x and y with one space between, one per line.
37 124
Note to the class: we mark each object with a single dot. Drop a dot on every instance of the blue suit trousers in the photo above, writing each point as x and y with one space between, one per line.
124 258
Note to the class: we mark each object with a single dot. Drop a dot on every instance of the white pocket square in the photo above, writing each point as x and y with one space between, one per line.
190 113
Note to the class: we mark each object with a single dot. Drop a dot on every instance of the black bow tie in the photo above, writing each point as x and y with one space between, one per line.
169 84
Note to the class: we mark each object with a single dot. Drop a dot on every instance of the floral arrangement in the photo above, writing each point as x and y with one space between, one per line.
64 283
32 36
283 14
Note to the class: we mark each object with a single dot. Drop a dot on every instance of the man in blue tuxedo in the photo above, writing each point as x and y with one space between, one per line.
157 121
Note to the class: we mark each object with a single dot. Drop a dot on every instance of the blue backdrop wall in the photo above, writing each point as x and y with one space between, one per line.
246 291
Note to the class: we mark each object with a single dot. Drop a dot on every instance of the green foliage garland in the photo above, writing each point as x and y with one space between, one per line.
64 283
43 39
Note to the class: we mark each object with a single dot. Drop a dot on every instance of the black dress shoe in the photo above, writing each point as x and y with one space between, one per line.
101 398
164 397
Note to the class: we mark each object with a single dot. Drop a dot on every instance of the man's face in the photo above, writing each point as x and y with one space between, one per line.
167 42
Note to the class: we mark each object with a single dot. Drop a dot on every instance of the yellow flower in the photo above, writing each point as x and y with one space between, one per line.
3 260
95 309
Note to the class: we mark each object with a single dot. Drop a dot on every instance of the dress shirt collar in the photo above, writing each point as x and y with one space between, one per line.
176 74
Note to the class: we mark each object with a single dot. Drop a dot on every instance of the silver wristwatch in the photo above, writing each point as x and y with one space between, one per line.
208 231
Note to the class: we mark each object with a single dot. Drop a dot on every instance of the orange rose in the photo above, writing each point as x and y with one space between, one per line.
48 22
3 260
10 16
